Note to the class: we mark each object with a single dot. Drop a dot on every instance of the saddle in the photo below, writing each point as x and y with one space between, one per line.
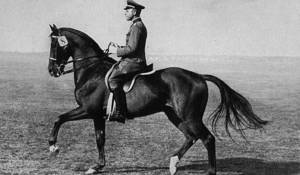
127 87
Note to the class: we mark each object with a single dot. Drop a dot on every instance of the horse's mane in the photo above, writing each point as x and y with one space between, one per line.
92 42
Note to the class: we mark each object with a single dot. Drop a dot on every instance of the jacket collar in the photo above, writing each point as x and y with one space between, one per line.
136 20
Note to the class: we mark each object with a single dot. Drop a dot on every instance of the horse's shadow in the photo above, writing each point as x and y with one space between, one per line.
134 169
245 166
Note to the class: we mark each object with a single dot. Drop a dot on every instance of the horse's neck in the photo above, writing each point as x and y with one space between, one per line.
84 68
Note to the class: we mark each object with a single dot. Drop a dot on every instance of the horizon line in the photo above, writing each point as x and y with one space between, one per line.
170 54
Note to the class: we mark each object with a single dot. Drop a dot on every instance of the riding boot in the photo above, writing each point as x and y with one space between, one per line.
121 107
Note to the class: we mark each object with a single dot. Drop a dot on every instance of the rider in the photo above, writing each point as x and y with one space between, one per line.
132 58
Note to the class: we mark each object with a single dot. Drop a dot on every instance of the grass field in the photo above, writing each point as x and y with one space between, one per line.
31 99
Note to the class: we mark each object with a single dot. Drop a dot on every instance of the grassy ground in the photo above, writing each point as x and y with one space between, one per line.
31 99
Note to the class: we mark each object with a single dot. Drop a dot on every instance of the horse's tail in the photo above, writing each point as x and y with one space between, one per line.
233 103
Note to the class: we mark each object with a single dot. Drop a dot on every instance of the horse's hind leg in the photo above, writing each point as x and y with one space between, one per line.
209 142
193 131
198 129
189 141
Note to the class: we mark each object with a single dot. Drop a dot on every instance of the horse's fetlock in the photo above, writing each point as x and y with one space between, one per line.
51 142
211 172
209 140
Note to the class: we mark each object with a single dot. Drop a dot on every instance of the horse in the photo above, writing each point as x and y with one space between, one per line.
181 94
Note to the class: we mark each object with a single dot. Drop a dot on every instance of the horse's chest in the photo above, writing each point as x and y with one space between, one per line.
90 93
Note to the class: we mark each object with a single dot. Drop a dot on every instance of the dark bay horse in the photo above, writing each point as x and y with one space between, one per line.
181 94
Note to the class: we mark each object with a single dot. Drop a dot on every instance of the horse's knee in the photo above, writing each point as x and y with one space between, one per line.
52 141
58 123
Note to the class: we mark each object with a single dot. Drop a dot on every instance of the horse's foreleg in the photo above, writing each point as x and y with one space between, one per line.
75 114
99 124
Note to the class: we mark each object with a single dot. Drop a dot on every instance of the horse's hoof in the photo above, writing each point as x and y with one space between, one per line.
173 164
90 171
54 150
94 169
211 172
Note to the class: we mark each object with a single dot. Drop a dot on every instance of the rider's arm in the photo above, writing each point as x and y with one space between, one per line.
133 42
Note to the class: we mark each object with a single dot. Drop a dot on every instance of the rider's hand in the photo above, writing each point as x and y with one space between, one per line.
112 49
114 44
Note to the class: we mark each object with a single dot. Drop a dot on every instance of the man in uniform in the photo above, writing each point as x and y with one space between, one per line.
132 58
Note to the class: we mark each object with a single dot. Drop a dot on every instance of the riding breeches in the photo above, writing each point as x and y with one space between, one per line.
122 72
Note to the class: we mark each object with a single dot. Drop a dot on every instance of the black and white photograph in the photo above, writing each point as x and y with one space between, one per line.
150 87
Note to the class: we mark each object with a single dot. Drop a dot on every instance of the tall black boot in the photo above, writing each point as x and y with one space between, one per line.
120 113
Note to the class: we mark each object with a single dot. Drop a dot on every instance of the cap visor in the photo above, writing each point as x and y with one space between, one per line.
128 7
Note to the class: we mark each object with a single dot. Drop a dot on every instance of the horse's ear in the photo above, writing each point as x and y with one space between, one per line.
54 26
54 29
51 27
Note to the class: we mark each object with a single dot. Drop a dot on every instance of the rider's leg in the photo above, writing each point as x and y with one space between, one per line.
121 106
116 85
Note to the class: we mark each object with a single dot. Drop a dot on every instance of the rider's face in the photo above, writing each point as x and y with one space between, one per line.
129 13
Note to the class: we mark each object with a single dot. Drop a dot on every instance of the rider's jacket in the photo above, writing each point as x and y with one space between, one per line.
134 50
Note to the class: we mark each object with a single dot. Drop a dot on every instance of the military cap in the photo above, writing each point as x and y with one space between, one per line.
133 4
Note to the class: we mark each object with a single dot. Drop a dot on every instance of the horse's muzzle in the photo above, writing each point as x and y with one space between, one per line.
56 71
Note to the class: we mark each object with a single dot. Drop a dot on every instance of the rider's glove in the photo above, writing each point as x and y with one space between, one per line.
113 47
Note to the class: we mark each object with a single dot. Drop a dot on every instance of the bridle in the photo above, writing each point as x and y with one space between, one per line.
63 43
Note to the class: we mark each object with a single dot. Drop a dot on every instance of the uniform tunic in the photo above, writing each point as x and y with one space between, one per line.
132 55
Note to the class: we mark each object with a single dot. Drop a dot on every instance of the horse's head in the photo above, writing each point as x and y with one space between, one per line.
68 42
59 52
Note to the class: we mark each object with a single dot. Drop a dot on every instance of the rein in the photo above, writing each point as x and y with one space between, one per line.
61 66
80 59
106 53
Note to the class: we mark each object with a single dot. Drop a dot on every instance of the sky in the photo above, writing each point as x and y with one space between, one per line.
205 27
